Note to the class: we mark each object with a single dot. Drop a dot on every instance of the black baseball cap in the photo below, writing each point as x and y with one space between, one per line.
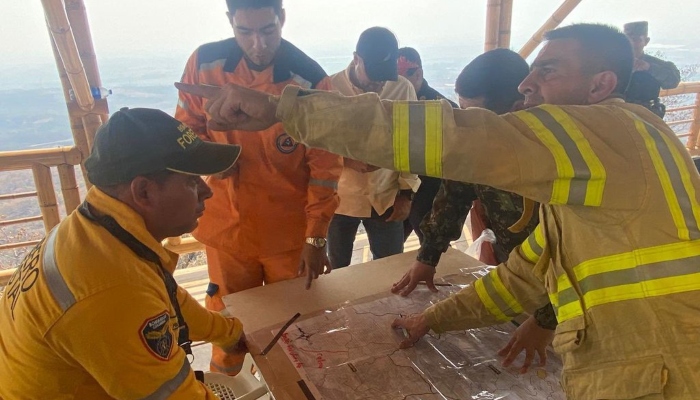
140 141
379 50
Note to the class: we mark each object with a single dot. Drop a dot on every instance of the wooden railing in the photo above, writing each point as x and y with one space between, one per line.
693 134
40 162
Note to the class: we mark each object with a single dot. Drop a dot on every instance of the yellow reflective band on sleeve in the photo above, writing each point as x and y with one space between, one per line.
417 137
596 182
401 127
433 139
488 302
533 246
510 300
674 178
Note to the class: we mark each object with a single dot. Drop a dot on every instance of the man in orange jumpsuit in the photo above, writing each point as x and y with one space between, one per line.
269 215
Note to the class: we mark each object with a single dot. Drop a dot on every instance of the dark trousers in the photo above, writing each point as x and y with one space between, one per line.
385 238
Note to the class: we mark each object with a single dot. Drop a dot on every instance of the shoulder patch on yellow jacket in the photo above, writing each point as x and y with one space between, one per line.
157 337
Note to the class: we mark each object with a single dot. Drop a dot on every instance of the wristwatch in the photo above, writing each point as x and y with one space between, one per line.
317 242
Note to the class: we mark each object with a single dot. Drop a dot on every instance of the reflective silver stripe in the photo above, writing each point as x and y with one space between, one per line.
182 104
684 201
212 65
582 174
324 183
496 297
54 280
416 137
532 241
169 387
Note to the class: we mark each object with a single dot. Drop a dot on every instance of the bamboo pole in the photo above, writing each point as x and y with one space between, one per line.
74 113
682 88
504 25
69 187
5 276
187 245
13 196
46 196
24 159
557 17
694 139
493 16
60 30
20 220
77 16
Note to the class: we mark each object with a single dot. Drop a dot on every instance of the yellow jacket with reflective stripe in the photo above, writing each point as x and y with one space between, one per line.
618 247
88 328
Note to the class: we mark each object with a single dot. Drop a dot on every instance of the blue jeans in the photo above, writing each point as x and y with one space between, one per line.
385 238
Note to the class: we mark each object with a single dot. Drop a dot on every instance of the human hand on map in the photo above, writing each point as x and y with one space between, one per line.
416 326
314 263
235 107
531 338
419 272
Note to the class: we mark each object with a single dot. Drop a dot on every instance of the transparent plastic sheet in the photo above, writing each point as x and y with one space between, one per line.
351 352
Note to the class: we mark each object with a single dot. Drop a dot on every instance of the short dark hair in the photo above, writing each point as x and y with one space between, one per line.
604 47
495 75
234 5
410 54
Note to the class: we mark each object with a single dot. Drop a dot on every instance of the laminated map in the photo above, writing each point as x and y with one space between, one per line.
352 353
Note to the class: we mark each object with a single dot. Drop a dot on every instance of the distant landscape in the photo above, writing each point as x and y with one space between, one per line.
33 111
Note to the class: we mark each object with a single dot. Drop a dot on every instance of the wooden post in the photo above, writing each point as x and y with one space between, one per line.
69 187
77 16
694 139
46 196
62 35
504 25
493 16
557 17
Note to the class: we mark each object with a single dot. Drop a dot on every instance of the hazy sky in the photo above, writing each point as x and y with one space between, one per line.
134 28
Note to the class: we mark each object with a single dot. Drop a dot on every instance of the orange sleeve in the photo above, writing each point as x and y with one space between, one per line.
324 173
190 109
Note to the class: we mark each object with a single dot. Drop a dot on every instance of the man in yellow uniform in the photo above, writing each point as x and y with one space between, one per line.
93 312
617 251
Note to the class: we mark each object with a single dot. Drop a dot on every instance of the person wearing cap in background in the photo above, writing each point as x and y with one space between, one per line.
93 311
269 216
650 74
379 198
411 67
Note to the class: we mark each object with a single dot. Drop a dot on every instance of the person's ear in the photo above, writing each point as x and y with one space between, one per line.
141 192
603 85
282 17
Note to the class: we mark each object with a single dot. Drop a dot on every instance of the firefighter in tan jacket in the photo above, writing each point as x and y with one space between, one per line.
617 251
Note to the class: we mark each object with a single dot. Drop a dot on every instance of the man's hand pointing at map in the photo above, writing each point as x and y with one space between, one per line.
235 107
415 325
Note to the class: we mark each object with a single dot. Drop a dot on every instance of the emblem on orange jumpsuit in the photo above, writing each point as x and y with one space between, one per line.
285 144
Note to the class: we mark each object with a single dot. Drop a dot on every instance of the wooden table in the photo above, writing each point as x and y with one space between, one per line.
274 304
